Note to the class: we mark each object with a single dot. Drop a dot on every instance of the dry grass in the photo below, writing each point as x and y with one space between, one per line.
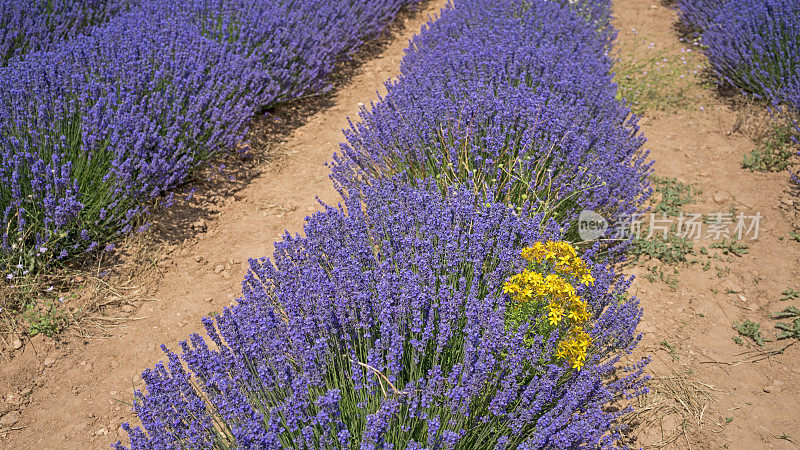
676 407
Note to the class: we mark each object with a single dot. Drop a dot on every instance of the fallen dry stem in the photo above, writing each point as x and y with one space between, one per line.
673 396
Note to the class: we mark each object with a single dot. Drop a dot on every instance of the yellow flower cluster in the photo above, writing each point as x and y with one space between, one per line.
574 347
563 255
536 284
559 293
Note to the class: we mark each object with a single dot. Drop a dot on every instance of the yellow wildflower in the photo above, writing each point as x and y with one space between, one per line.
575 347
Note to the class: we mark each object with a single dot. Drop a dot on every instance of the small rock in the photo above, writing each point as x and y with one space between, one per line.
16 344
11 418
209 299
49 362
719 197
101 432
128 308
200 225
13 399
198 258
239 196
225 274
219 268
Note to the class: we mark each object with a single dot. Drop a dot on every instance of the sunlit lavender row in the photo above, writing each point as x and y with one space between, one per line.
103 109
445 302
754 45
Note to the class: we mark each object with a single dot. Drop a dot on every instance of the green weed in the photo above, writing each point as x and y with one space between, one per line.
731 247
671 250
790 294
45 318
670 349
750 329
789 330
674 195
775 154
652 80
658 274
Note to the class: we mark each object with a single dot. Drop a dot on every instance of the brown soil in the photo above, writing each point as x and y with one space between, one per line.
708 391
75 392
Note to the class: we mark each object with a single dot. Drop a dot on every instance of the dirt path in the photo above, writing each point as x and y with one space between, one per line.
79 388
709 391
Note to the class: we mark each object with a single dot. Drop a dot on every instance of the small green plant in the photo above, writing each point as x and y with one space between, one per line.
787 437
789 330
775 154
46 318
790 294
652 80
671 250
738 340
731 247
795 236
670 349
674 195
658 274
750 329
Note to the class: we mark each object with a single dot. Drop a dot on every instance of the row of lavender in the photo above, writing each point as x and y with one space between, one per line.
95 120
441 304
754 45
28 26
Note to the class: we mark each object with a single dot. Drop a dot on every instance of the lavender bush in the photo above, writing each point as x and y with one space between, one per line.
31 25
400 318
385 327
516 95
96 125
756 47
699 14
753 46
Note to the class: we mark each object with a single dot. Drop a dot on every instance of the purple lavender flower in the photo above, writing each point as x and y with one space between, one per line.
105 105
385 327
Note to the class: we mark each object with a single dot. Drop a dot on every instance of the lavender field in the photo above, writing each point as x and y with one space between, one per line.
387 324
466 283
